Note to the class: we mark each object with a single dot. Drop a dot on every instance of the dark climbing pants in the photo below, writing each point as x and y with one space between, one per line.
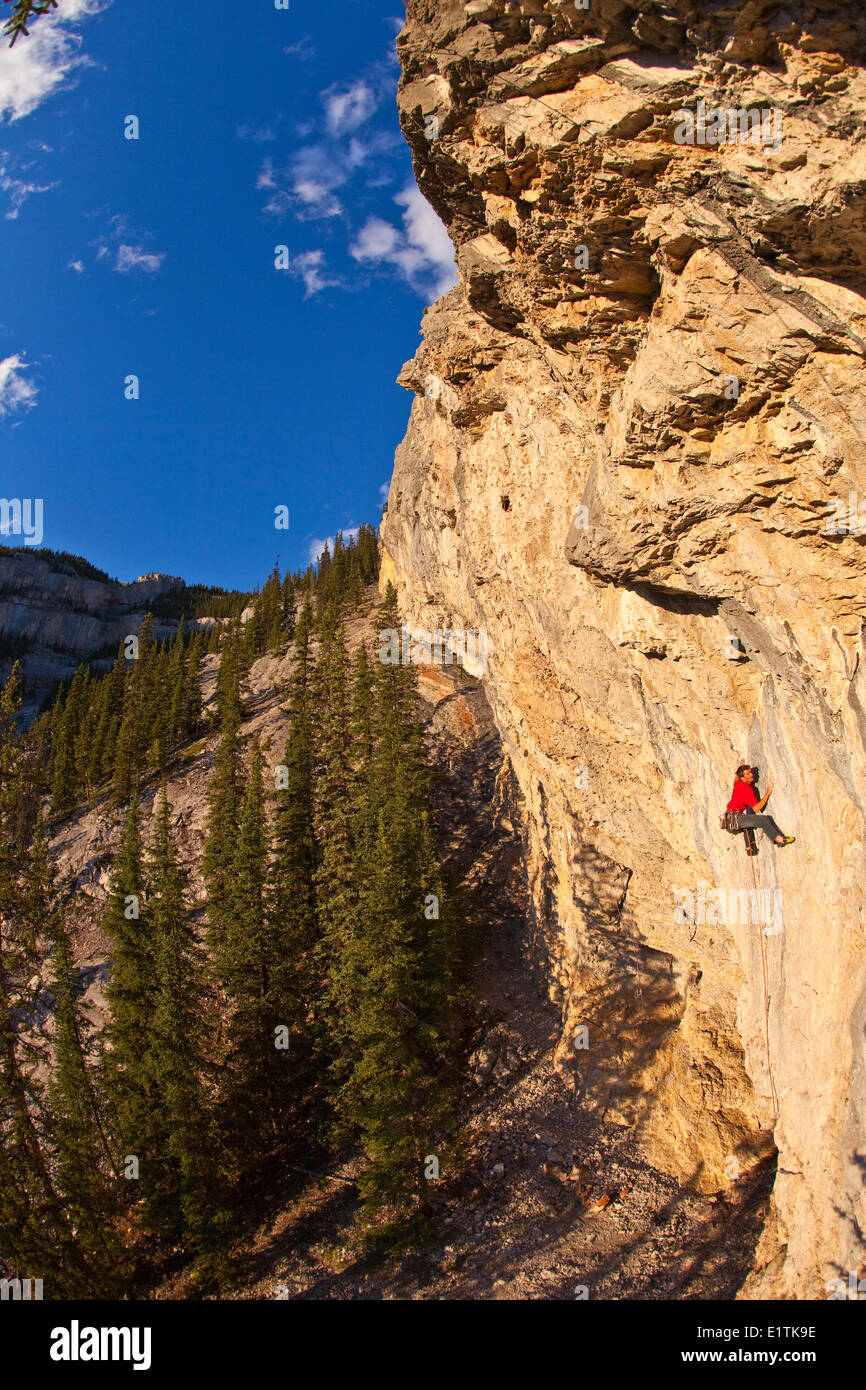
749 821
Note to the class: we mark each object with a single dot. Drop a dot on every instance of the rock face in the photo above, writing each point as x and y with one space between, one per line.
54 618
636 460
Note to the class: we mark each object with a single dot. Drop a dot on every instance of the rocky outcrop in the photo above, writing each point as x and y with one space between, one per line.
636 460
53 618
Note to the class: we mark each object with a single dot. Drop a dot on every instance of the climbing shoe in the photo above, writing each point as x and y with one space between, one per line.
788 839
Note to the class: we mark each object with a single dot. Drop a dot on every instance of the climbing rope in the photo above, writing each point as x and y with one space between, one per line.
558 691
766 996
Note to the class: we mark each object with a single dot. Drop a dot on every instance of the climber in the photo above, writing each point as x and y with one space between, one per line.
745 805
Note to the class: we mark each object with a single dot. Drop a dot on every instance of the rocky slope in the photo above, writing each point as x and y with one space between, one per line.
636 460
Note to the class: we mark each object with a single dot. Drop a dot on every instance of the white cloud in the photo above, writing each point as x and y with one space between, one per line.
303 49
347 109
377 241
260 135
77 266
316 547
278 204
313 176
18 189
266 177
307 185
16 392
34 67
310 267
136 258
384 489
318 197
129 253
421 251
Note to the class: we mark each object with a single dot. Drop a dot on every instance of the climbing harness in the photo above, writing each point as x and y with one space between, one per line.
730 821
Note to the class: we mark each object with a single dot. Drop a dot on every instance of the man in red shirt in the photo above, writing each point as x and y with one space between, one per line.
746 804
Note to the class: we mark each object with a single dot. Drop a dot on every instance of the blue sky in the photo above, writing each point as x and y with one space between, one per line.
259 387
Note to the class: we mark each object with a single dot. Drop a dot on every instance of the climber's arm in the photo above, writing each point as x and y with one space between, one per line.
759 805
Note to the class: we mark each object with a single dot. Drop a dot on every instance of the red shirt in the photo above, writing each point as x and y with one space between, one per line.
742 797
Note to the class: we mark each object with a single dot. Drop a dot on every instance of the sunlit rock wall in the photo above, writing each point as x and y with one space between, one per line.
636 459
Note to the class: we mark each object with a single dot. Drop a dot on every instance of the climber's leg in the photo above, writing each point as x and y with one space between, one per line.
765 823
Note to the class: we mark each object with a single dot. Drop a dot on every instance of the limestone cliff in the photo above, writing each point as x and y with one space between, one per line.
53 616
636 460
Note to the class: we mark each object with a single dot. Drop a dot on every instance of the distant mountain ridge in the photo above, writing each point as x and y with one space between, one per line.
58 610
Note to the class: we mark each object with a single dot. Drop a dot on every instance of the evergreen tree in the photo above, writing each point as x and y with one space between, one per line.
288 608
109 711
254 633
83 1160
64 781
272 612
336 875
295 981
368 554
37 1238
123 770
224 800
354 584
245 965
82 734
187 1200
130 994
175 689
320 582
191 709
396 985
147 693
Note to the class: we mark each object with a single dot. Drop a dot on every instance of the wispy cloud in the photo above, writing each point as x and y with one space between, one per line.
16 392
77 266
313 177
384 489
347 108
309 185
304 49
129 250
349 533
260 135
421 250
344 157
18 189
305 186
136 258
310 267
35 67
267 176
